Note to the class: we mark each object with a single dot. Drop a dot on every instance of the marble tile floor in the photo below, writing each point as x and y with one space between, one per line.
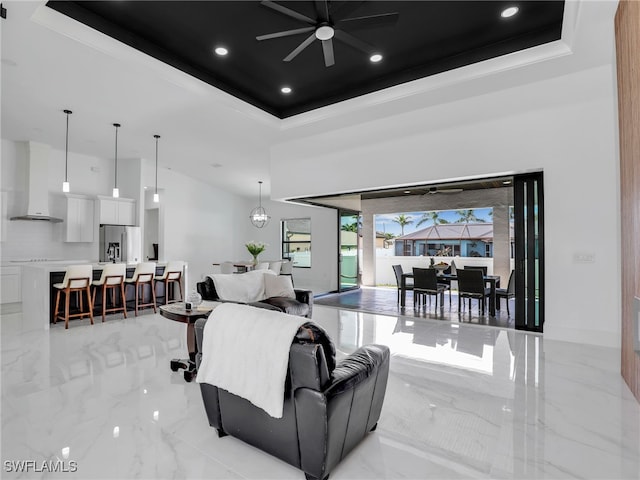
463 401
384 300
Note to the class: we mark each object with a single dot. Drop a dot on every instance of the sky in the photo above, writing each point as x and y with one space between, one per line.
385 223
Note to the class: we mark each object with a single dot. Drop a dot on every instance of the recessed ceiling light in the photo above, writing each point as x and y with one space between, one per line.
221 51
506 182
375 58
285 89
407 191
509 12
216 165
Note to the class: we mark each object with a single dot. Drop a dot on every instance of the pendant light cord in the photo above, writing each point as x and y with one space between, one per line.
66 148
156 137
117 125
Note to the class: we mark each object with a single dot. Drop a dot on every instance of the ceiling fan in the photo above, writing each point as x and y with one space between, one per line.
327 26
434 190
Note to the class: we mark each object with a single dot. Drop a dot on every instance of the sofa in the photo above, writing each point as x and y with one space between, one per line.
328 409
294 301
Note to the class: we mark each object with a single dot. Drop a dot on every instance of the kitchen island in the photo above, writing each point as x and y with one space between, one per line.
38 294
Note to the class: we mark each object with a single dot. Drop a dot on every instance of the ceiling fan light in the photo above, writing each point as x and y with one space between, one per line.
509 12
325 32
375 58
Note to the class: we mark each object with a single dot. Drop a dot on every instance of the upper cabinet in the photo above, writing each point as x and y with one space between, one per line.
116 211
79 224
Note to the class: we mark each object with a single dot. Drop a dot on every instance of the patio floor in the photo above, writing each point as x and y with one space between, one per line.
384 301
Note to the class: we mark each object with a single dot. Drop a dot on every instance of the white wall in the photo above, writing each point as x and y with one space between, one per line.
564 126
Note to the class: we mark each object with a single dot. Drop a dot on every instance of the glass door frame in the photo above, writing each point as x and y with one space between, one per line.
528 198
349 213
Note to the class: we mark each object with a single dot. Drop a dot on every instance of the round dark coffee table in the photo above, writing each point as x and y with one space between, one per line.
177 313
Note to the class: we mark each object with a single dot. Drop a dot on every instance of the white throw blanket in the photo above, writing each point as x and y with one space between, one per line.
245 287
245 350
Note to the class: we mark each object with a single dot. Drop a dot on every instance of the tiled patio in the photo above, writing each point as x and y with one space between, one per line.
383 300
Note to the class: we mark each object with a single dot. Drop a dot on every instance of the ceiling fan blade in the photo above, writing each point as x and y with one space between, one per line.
287 11
327 48
322 9
286 33
347 8
353 42
384 19
300 48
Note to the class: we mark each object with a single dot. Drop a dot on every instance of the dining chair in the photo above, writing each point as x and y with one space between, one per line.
227 267
471 284
482 268
425 283
507 293
77 279
143 275
276 266
111 280
397 270
287 268
172 275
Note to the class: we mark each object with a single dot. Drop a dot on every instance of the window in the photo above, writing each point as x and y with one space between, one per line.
296 241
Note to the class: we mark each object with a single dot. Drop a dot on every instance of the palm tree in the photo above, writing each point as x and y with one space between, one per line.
434 217
467 216
352 227
403 220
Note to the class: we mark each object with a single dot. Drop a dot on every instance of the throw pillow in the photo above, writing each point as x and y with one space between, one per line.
278 286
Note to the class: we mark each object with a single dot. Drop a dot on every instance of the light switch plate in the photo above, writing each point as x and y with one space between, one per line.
584 257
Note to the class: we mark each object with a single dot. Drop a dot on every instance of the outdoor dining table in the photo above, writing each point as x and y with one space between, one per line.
492 280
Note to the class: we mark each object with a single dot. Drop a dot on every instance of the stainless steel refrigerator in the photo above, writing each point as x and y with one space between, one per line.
120 244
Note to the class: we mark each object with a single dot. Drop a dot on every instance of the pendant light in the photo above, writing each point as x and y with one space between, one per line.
156 197
65 184
116 191
258 215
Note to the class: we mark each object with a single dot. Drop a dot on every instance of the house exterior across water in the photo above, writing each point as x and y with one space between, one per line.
451 239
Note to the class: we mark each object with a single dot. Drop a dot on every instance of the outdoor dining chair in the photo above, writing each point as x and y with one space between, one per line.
471 284
425 283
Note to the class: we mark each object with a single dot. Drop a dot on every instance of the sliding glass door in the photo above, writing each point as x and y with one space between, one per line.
349 243
529 251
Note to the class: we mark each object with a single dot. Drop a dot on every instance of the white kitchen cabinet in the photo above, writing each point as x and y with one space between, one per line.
126 212
117 211
10 285
79 224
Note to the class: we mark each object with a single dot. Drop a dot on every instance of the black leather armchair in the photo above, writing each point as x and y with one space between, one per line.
328 409
302 305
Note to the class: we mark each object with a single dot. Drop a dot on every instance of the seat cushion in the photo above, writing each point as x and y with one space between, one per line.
288 305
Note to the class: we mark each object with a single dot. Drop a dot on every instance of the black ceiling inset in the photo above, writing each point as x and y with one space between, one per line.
427 37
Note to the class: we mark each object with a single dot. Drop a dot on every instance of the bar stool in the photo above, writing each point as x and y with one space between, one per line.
77 278
112 279
143 275
172 274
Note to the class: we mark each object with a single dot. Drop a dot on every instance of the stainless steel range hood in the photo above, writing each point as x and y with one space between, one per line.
38 184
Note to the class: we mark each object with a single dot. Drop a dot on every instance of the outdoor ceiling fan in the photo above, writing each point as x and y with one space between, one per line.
327 26
434 190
